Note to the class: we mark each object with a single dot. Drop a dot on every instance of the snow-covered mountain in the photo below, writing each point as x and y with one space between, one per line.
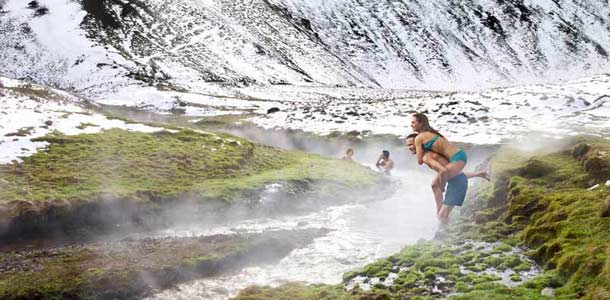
327 65
96 47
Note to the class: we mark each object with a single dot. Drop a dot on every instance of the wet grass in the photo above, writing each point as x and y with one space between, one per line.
128 165
434 269
545 204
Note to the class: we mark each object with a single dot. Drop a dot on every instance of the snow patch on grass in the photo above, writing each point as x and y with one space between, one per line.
30 112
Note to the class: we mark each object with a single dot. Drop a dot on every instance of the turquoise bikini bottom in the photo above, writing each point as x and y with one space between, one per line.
460 155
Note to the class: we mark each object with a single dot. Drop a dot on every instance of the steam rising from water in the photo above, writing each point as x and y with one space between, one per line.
360 233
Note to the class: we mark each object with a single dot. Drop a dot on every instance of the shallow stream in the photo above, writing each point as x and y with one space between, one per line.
360 233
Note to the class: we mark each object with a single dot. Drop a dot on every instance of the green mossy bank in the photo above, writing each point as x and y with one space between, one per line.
538 210
133 269
136 172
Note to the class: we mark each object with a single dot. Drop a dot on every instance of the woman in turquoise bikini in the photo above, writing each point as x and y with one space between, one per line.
428 139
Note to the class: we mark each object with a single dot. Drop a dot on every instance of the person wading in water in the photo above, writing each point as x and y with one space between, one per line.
349 153
384 163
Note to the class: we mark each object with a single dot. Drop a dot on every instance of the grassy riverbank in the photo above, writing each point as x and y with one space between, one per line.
140 171
131 269
129 164
538 208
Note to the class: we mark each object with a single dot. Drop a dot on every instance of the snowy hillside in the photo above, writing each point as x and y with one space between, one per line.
97 48
327 65
577 107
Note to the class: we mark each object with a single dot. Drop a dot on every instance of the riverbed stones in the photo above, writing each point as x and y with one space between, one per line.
273 110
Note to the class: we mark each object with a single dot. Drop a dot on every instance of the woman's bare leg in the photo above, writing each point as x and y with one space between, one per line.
451 170
481 174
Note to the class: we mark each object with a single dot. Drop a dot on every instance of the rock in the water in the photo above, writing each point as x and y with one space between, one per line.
605 213
548 292
273 110
48 122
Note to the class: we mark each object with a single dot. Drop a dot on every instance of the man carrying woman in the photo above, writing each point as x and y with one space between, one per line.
448 160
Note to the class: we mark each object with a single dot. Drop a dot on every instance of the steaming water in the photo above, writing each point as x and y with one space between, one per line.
360 234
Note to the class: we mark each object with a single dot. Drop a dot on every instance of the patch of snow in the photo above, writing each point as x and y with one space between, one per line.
26 116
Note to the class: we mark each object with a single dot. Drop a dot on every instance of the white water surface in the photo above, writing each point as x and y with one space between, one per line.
360 234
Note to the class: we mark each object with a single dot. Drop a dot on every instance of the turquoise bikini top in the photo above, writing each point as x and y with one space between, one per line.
428 146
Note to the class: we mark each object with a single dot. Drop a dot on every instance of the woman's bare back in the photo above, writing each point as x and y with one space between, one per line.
440 146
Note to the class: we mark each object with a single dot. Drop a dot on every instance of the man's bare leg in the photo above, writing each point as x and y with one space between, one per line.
443 215
438 194
438 198
481 174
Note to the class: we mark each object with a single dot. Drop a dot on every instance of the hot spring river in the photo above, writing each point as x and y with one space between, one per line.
360 233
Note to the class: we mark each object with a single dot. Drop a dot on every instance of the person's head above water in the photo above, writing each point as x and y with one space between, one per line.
420 123
386 154
410 141
349 153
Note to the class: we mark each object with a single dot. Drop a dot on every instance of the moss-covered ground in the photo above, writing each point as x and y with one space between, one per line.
86 184
131 269
126 164
537 202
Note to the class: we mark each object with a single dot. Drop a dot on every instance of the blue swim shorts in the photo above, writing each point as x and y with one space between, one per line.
456 190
